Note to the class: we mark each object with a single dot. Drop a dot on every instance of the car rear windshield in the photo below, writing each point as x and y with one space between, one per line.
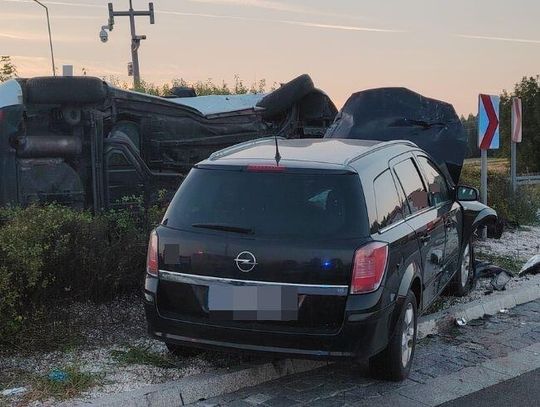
270 204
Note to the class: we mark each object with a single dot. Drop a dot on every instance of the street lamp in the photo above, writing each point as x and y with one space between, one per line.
50 37
135 39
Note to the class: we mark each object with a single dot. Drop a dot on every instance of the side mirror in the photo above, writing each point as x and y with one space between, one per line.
465 193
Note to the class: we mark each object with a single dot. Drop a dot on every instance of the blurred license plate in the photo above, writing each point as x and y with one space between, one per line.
253 303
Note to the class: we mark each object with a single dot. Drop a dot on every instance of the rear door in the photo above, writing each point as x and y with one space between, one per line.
426 221
261 235
387 224
440 198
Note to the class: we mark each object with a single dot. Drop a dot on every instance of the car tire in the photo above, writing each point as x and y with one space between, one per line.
286 96
394 362
462 281
182 351
65 90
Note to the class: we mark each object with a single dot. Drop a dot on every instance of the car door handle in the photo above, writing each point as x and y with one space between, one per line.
425 238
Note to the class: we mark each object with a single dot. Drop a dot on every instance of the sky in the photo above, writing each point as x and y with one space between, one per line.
447 49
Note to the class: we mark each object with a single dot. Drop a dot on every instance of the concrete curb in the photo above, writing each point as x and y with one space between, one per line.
489 305
203 386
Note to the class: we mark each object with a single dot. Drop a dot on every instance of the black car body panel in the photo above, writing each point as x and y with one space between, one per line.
401 114
424 246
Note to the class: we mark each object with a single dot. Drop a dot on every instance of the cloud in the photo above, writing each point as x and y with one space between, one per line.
264 4
482 37
339 27
40 17
59 3
267 4
34 37
289 22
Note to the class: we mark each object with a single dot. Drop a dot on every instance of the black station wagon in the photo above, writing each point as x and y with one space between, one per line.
318 248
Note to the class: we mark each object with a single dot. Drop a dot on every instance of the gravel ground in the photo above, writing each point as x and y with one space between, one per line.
520 244
120 326
114 329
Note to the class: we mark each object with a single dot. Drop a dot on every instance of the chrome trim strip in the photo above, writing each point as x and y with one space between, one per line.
313 289
246 346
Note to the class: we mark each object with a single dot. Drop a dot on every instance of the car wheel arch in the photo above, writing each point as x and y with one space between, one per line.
410 281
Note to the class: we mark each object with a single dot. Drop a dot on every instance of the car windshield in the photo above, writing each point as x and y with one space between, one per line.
269 204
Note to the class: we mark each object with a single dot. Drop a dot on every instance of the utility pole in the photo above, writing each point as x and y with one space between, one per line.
135 39
50 37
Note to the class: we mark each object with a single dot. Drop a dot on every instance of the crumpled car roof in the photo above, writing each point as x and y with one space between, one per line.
400 114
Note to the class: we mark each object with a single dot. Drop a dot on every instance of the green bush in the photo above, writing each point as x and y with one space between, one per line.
515 209
50 255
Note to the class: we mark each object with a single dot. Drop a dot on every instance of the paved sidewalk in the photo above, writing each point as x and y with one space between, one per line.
471 356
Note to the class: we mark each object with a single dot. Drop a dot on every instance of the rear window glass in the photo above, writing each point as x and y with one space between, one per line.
271 204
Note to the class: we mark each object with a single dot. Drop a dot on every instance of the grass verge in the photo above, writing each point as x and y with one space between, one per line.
510 263
41 388
140 355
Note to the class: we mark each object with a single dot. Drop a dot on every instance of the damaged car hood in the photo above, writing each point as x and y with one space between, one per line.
400 114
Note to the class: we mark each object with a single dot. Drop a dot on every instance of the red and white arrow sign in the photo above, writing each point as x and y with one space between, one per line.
517 129
488 122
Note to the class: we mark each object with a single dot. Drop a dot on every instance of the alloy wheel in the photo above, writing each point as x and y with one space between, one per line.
465 266
407 337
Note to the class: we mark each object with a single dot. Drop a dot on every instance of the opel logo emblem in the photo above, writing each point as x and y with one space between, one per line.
245 261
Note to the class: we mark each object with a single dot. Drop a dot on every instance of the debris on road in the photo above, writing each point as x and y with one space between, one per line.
15 391
499 281
57 375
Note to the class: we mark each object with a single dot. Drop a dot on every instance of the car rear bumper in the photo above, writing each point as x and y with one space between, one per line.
362 335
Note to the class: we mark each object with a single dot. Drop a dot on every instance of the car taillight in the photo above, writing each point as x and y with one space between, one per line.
368 268
152 255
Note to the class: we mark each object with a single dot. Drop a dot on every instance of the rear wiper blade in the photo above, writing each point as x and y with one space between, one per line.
227 228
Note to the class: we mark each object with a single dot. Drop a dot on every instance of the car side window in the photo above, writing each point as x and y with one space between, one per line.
437 188
412 184
387 202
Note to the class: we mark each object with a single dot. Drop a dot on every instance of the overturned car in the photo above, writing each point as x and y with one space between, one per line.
82 142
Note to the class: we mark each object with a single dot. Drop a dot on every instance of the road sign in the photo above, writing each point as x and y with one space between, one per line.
516 120
488 122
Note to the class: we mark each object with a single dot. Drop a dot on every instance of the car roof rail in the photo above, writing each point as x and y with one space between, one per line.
379 146
241 146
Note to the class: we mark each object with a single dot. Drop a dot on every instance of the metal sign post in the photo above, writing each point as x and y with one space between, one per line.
488 137
516 138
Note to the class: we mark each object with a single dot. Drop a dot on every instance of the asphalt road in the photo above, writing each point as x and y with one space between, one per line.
494 361
521 391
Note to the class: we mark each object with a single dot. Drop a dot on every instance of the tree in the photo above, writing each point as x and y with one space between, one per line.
8 70
528 151
470 125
